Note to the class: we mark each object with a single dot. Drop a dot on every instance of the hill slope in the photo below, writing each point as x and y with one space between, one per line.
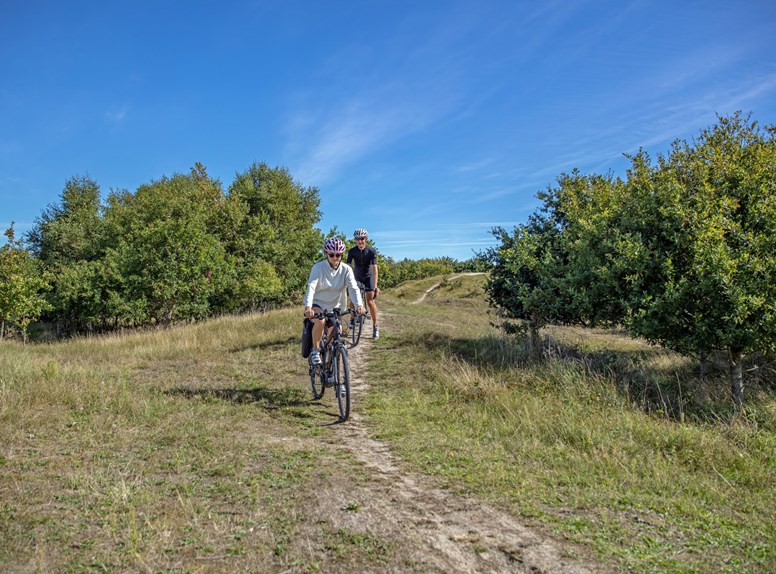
199 449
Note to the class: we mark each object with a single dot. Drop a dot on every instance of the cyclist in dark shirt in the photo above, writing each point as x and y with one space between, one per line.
363 259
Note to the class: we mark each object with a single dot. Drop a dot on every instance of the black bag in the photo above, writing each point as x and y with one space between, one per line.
307 338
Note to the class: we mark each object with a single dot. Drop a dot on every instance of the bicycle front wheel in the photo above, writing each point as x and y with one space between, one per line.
358 326
317 378
342 382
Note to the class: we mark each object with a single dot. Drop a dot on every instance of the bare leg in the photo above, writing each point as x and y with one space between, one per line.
317 333
370 301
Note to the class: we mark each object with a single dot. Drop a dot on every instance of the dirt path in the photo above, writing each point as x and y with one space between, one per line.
436 285
433 529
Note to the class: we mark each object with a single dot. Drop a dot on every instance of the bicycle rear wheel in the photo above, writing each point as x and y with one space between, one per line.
358 326
342 382
317 379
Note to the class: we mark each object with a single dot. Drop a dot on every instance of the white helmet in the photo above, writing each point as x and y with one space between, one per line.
334 245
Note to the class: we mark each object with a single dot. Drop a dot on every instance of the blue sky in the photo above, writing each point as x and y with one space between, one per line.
427 122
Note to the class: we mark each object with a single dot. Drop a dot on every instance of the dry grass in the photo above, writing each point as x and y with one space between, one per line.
610 442
198 449
194 448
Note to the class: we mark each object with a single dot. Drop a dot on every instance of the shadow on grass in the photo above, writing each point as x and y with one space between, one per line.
268 399
270 345
675 391
294 402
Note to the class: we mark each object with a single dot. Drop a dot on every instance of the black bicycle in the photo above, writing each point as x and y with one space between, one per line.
357 324
333 370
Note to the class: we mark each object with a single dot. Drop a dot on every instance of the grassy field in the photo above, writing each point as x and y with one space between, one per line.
612 443
198 449
191 449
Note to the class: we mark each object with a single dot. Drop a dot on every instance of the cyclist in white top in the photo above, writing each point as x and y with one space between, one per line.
326 289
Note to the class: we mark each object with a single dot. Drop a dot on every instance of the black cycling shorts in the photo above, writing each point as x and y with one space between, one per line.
367 281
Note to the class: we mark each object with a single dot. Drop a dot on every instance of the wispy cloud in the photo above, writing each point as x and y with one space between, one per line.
423 87
686 117
117 115
345 136
476 166
348 131
459 241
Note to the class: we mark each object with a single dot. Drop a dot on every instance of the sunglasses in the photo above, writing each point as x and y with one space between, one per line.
360 238
335 255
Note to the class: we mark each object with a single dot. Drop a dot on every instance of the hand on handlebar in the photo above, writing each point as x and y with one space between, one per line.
360 310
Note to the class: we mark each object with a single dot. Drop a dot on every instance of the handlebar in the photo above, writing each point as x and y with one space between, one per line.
333 313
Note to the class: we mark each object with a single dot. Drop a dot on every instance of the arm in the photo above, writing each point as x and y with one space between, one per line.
373 270
312 283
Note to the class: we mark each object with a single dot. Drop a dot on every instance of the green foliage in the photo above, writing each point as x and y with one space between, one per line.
682 252
72 230
393 273
532 270
278 228
480 263
169 253
178 248
21 286
68 239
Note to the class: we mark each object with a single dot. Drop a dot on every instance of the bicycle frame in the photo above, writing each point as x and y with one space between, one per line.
358 320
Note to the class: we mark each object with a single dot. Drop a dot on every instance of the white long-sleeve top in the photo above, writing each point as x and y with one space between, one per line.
326 286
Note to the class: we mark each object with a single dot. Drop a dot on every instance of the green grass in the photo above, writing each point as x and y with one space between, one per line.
195 447
198 449
581 443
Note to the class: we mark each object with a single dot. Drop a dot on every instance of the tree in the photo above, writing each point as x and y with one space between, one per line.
691 245
480 263
523 283
718 286
167 254
277 234
68 240
683 253
577 268
71 230
176 248
22 286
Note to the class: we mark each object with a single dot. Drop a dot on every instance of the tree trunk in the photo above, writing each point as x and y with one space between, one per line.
735 358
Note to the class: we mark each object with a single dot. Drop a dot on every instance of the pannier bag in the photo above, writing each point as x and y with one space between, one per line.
307 338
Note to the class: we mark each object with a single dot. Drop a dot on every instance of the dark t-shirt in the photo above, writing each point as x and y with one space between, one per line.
361 260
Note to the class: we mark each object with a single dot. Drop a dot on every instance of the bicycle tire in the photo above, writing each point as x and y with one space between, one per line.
342 382
358 326
317 379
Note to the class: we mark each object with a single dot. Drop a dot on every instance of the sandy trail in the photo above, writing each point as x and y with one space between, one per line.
436 285
434 529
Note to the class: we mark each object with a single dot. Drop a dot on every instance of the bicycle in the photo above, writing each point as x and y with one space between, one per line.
334 370
358 320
